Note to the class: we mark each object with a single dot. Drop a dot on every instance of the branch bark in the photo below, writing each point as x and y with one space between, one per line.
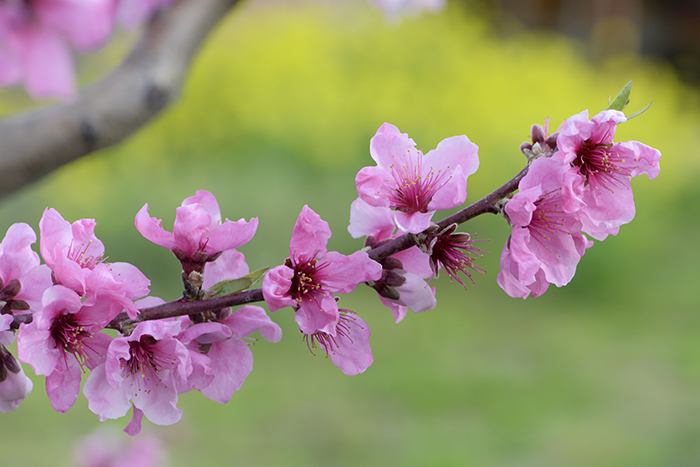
37 142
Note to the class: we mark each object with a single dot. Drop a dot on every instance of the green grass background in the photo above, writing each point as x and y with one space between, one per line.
277 113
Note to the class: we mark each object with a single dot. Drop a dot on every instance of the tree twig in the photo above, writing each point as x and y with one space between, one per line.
36 142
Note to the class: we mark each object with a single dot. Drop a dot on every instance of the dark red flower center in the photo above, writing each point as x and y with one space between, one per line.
72 337
414 188
600 165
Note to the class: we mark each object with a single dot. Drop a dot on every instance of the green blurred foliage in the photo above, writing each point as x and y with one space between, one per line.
277 113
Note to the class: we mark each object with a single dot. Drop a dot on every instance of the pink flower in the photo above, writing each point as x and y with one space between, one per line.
223 344
412 265
22 279
62 338
133 12
15 386
143 369
415 186
546 243
599 180
312 274
198 235
33 36
104 448
76 257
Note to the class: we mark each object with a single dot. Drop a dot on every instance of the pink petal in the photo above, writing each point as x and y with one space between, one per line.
104 399
87 24
151 229
231 363
344 273
353 353
63 385
276 285
366 220
208 202
413 222
229 235
230 265
248 319
134 426
48 66
389 142
318 312
310 235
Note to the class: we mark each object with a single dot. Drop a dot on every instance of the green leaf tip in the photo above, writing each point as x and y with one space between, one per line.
639 112
233 286
622 98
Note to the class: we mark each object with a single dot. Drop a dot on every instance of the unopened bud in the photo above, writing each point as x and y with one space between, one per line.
394 277
19 305
214 257
386 291
391 263
12 288
537 134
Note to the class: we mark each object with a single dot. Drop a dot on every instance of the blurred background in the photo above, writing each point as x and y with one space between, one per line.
278 111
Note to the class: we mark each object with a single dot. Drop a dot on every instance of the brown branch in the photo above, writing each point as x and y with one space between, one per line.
181 307
36 142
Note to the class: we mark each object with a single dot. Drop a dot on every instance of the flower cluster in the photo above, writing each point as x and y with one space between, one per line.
68 301
578 181
399 196
36 38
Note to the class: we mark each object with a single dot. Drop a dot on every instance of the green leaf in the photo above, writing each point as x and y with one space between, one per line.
232 286
629 117
622 98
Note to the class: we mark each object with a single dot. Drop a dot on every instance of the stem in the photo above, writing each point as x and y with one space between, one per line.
182 307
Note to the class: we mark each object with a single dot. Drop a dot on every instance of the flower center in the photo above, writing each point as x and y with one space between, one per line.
599 165
304 280
80 255
549 218
142 358
414 189
71 336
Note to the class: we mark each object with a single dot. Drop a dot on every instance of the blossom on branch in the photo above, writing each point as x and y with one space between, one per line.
312 274
144 369
64 337
34 38
15 386
223 345
414 185
22 279
401 285
199 235
546 243
77 260
598 183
